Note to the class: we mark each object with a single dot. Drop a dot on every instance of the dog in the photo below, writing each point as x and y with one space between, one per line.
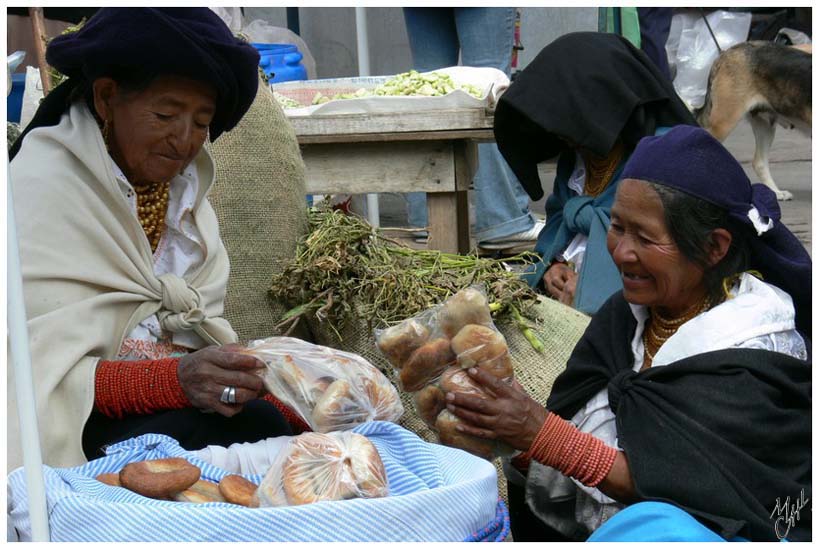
766 82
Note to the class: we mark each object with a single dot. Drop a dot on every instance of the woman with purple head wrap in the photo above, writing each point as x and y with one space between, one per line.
689 394
124 272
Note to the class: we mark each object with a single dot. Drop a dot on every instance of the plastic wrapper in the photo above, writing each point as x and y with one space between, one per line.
315 467
691 49
431 353
330 389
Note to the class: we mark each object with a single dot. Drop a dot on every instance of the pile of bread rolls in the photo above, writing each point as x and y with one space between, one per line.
312 467
433 351
330 389
179 480
317 467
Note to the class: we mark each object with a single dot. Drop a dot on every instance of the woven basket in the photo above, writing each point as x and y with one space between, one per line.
559 327
259 199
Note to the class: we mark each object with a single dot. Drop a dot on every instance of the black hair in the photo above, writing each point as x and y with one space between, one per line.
690 221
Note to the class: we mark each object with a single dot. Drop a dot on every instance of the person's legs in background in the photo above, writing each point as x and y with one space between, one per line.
654 24
501 204
485 38
433 45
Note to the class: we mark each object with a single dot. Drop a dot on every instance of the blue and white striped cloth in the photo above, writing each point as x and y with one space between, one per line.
437 494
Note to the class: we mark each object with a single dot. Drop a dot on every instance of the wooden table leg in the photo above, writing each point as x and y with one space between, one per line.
448 221
448 213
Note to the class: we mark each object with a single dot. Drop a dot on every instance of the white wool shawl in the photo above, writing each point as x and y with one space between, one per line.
88 276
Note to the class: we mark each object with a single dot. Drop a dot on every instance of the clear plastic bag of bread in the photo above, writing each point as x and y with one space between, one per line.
330 389
315 467
431 353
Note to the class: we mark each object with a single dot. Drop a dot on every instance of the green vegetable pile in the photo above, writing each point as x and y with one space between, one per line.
412 83
286 102
426 84
347 271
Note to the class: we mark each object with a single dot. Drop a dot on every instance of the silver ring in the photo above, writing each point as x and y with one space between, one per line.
228 395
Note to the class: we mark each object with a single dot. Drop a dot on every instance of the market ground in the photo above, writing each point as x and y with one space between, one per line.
790 164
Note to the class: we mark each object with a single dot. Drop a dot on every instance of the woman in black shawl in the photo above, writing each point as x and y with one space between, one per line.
588 97
690 391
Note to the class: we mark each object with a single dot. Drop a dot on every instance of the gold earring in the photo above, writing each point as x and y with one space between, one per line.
106 131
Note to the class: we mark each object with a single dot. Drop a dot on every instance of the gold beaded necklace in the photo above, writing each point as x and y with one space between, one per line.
152 205
659 328
600 170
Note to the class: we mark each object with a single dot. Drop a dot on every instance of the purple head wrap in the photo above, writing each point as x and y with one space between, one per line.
689 159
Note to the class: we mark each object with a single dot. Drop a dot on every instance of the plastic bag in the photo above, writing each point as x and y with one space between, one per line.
330 389
315 467
431 353
692 51
231 16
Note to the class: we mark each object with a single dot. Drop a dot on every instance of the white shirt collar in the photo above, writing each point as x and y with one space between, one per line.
755 309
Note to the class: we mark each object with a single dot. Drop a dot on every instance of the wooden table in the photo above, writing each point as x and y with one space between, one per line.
431 151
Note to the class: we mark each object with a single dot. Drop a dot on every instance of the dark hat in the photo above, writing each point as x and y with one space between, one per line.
691 160
590 88
192 42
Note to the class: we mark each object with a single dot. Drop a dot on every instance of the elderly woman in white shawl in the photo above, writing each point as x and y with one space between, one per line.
124 273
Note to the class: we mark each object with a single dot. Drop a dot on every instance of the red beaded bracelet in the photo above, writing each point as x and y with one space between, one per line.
574 453
138 387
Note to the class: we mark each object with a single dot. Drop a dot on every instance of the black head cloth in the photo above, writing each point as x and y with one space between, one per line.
586 87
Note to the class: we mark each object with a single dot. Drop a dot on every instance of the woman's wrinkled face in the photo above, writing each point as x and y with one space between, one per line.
653 270
155 133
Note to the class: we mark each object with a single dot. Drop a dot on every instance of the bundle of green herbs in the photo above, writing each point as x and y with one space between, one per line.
347 271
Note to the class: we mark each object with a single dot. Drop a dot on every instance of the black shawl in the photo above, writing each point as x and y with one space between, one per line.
588 87
723 435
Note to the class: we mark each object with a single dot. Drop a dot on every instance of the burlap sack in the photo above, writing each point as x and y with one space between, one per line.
559 327
259 199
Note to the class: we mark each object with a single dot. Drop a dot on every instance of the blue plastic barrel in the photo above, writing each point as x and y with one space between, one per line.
281 62
14 102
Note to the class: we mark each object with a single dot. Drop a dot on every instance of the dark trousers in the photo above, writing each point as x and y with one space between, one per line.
654 24
192 428
525 526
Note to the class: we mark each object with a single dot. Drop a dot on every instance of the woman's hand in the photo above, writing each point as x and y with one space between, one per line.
568 293
508 414
205 373
555 279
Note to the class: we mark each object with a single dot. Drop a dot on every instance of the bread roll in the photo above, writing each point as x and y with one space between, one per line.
399 341
311 472
366 467
336 408
426 364
478 343
295 381
448 435
500 367
199 492
466 307
429 402
456 380
159 478
383 399
238 490
112 479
